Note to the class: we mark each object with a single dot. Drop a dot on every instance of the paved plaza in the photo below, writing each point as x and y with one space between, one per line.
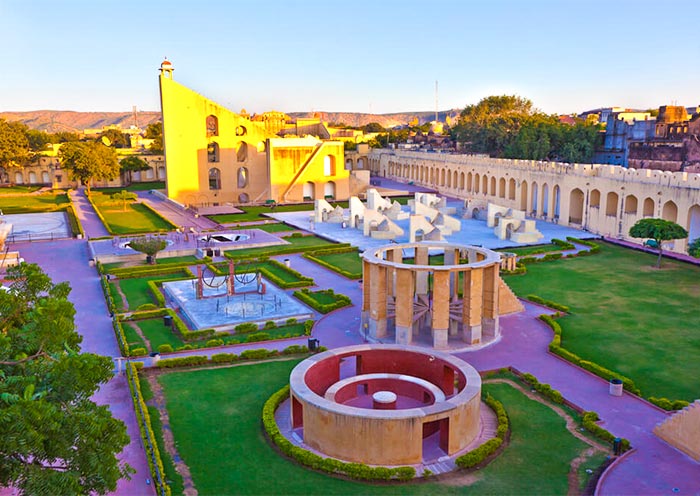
653 467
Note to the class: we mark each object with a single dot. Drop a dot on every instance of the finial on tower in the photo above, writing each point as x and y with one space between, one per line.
166 68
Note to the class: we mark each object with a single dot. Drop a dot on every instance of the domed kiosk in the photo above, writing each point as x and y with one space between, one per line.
385 404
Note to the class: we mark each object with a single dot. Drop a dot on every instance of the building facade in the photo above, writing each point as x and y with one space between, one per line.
604 199
214 156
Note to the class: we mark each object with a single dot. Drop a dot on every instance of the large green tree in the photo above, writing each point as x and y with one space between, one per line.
115 138
155 132
89 160
54 440
132 163
658 230
14 146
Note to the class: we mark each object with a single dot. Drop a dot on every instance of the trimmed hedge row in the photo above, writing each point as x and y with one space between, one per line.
478 455
520 268
155 292
121 338
589 420
594 247
564 245
543 388
313 256
75 226
555 347
146 430
314 461
151 270
108 295
548 303
667 404
276 250
223 358
307 297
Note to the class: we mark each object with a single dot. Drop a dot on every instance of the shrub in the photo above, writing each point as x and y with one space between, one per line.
291 321
213 343
139 352
187 361
146 306
295 349
667 404
258 354
165 348
246 327
478 455
547 303
564 245
308 327
589 420
309 298
224 358
544 389
258 336
270 324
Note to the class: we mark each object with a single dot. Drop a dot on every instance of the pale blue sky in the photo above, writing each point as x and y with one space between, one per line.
354 56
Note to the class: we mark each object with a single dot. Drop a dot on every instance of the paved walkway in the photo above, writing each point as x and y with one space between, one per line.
654 468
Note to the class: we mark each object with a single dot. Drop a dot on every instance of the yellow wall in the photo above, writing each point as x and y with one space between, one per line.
277 168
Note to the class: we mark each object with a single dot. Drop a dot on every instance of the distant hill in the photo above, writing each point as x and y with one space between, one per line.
54 121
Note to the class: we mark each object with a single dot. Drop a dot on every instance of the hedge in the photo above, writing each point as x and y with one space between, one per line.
313 256
302 280
667 404
594 247
155 292
589 420
146 429
108 295
219 358
306 296
150 270
564 245
75 225
121 338
544 389
548 303
314 461
478 455
277 250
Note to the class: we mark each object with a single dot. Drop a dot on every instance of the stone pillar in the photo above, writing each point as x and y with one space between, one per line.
200 285
396 256
404 306
377 304
472 287
441 308
366 283
452 258
421 258
231 281
490 319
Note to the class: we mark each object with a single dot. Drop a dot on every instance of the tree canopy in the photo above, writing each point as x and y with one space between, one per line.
14 145
132 163
509 126
658 230
148 245
115 138
694 248
54 440
89 160
155 132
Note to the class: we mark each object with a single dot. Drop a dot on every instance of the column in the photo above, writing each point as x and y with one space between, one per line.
377 304
404 306
366 284
441 308
490 319
421 258
393 255
472 286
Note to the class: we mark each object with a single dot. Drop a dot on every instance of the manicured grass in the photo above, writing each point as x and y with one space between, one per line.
172 477
136 218
116 297
136 289
186 259
30 204
158 334
217 411
349 261
133 187
271 228
13 190
627 316
299 244
132 338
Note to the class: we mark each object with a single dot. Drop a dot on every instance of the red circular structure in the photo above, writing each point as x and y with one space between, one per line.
381 404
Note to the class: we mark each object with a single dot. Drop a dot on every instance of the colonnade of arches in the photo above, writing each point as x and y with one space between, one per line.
600 208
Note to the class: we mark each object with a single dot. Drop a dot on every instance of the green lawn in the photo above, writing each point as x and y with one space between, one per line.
271 227
287 331
132 338
627 316
136 289
136 218
15 189
133 187
349 261
217 411
286 275
186 259
158 334
532 250
300 243
29 204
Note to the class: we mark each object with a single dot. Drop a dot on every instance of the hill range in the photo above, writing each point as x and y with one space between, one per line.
53 121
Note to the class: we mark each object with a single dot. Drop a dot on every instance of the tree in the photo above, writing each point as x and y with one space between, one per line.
14 146
694 248
132 163
115 138
373 127
54 440
658 230
148 245
124 196
89 160
155 132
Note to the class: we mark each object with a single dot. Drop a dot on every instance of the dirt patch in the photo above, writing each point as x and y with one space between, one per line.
168 441
456 479
138 331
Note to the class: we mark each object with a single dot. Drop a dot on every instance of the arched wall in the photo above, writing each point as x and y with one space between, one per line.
653 189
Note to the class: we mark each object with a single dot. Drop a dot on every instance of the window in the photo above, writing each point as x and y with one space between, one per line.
213 152
242 177
212 126
329 165
214 179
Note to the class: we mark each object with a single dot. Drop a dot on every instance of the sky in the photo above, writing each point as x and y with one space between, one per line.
378 56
